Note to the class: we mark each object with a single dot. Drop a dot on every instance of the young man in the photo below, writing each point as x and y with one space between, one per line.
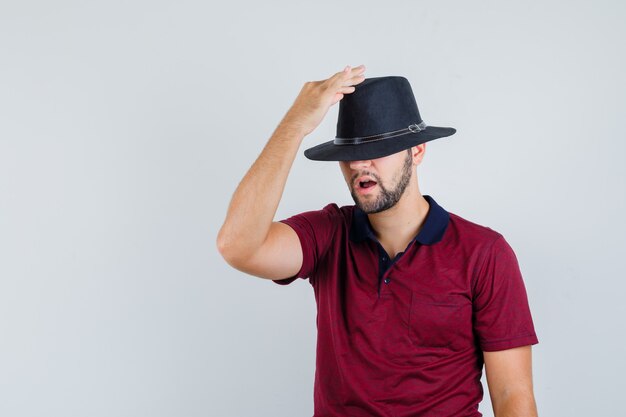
412 299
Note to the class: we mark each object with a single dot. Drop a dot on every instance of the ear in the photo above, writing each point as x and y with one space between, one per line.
417 152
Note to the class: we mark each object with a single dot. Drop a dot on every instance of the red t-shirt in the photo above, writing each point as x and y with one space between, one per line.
404 337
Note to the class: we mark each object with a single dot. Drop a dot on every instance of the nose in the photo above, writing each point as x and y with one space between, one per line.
360 164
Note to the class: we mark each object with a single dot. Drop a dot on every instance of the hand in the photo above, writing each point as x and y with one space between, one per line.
316 97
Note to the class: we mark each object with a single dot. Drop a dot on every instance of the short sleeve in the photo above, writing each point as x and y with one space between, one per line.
315 229
502 317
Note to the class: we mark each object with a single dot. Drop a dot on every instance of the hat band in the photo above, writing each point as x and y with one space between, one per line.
414 128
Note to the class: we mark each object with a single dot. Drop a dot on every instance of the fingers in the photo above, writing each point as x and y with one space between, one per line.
343 82
348 77
346 89
340 83
360 68
337 98
357 79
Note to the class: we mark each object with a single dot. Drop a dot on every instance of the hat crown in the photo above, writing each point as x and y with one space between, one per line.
377 105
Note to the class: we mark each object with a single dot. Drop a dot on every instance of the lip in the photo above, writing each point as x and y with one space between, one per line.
361 190
364 178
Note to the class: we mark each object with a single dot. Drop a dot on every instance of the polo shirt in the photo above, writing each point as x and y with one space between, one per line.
405 336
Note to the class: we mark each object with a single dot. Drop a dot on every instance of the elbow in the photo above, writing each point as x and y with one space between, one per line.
224 247
231 253
515 404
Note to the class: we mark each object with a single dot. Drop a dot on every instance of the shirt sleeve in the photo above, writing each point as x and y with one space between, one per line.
502 317
315 229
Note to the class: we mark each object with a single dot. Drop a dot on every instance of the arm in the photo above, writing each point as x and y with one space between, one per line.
249 239
509 377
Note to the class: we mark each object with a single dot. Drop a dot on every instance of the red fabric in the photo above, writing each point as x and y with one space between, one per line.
409 341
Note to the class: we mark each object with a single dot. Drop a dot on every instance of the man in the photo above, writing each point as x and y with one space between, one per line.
412 299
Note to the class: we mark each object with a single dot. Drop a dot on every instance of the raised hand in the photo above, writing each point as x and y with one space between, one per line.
316 97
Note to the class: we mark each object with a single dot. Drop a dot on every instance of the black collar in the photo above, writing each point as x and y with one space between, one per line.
432 231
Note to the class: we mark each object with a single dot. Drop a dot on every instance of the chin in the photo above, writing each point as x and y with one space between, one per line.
367 208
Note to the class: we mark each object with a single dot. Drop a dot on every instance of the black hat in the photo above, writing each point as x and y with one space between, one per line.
378 119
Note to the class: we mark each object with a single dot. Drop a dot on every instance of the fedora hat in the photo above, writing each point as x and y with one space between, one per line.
378 119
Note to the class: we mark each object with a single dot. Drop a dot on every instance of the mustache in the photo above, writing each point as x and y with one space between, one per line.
364 173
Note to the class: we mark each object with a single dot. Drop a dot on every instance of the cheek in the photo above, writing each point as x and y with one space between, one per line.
345 172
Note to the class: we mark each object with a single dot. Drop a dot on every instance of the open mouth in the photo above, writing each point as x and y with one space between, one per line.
364 187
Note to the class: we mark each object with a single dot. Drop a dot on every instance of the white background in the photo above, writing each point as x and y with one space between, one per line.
126 126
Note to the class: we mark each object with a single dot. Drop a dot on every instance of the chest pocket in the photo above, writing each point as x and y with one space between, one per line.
437 323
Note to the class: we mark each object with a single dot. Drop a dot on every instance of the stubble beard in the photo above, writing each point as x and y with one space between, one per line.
386 198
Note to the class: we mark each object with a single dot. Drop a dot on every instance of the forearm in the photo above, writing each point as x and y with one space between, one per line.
255 201
253 206
515 405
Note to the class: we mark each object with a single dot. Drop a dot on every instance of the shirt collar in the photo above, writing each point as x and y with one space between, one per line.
432 231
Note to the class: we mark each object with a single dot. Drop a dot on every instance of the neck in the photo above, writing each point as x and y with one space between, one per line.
397 226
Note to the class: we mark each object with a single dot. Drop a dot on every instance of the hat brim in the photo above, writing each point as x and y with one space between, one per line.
328 151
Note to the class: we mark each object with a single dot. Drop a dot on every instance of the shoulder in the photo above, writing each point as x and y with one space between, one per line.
468 227
482 241
334 211
337 210
463 230
331 213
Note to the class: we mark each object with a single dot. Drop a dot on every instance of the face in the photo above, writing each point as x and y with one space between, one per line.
378 184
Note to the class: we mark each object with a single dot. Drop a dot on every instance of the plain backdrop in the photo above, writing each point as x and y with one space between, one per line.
125 127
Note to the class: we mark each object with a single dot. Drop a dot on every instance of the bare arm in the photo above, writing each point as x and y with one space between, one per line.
249 239
509 377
